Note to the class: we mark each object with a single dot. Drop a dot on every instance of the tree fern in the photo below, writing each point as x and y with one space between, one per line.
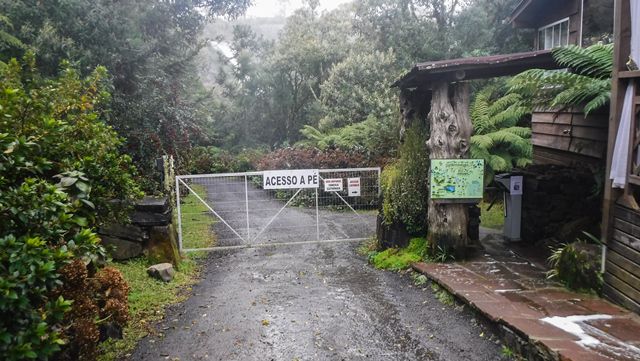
587 84
497 137
6 39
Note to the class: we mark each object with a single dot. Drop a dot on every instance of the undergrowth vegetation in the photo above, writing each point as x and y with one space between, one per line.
400 258
310 158
197 220
148 298
405 184
60 169
577 264
492 217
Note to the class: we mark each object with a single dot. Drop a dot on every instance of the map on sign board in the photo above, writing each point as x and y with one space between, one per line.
457 178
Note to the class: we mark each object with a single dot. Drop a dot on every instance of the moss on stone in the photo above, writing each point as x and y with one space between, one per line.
400 258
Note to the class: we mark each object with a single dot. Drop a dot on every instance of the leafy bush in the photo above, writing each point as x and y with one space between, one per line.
405 184
60 169
372 137
577 264
310 158
206 160
357 88
498 135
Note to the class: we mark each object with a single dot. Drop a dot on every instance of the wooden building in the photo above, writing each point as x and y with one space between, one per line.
566 136
621 213
569 137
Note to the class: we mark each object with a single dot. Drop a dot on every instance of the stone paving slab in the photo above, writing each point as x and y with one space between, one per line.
563 325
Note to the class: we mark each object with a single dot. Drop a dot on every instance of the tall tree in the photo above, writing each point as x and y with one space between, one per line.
148 48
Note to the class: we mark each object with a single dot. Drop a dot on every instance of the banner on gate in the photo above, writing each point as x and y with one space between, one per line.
353 187
332 184
290 179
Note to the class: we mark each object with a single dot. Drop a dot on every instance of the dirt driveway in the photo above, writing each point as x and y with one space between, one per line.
311 302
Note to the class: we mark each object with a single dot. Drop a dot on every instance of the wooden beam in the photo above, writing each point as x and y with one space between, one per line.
621 31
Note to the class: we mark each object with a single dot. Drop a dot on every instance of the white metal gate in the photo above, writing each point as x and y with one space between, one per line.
232 210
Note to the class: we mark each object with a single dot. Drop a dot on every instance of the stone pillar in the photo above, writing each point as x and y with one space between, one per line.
150 233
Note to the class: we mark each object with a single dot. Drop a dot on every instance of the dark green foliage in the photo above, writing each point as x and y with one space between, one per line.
587 84
148 47
577 264
499 135
405 184
59 168
207 160
310 158
373 137
28 269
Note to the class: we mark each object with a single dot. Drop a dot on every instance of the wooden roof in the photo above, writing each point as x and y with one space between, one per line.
422 75
529 13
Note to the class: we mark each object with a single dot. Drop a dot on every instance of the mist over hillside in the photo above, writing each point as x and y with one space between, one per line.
220 32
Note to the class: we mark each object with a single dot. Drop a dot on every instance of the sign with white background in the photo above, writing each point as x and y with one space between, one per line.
332 184
353 187
290 179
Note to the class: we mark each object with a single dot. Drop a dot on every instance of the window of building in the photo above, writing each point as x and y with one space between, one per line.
554 35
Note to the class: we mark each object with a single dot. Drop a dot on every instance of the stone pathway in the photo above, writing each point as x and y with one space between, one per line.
542 319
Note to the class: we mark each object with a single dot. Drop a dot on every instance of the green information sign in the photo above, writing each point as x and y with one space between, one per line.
457 179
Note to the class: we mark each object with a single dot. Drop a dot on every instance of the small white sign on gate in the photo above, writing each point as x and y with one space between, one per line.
290 179
515 183
353 187
333 185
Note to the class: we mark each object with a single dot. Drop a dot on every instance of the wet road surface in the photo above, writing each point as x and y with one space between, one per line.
312 302
309 302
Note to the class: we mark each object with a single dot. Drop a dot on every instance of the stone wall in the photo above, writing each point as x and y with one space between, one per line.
559 202
150 233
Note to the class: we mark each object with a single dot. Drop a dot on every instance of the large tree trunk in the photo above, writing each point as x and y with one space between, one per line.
450 126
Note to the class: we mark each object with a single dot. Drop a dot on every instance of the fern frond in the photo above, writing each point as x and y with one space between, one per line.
479 110
504 102
595 61
311 133
482 141
8 39
499 164
597 102
522 132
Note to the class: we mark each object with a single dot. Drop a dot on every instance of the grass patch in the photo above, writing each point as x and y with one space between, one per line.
368 247
147 299
197 222
399 258
443 295
493 218
419 279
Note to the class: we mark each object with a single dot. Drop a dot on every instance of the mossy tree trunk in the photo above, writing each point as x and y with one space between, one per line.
450 133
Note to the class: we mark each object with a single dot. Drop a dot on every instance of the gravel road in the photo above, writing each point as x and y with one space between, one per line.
312 302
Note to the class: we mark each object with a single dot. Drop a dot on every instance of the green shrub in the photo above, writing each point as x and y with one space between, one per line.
405 184
60 169
577 265
400 258
207 160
